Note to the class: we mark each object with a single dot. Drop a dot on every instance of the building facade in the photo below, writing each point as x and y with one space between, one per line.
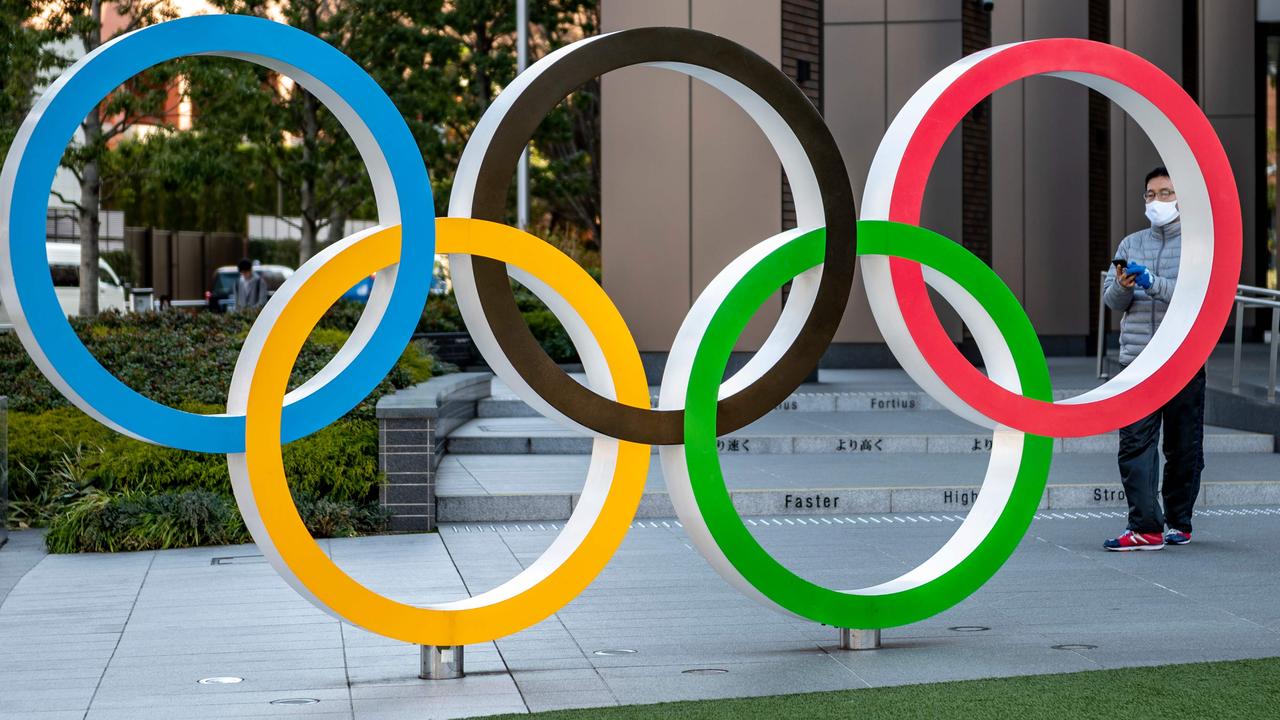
1041 181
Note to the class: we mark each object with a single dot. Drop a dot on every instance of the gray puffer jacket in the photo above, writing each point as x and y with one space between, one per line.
1159 249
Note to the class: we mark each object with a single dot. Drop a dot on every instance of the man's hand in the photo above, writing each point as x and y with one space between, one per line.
1126 281
1140 275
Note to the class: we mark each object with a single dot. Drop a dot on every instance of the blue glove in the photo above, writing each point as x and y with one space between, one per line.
1140 275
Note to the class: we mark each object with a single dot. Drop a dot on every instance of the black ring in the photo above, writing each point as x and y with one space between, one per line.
552 85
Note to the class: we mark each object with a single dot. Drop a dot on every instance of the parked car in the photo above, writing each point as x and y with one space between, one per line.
222 296
64 266
360 291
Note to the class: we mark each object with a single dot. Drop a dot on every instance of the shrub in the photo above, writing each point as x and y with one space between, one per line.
46 494
275 252
442 315
60 452
103 522
177 357
325 517
41 442
99 490
550 335
122 262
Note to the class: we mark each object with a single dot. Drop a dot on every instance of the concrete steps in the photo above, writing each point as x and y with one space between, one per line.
788 432
504 404
859 442
502 488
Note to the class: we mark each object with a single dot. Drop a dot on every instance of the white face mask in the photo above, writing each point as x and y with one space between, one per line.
1161 213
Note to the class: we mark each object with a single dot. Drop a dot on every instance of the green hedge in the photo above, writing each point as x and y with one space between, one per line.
122 262
339 461
275 252
442 315
60 457
99 490
178 357
102 522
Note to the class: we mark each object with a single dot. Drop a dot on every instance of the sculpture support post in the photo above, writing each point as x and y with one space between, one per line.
859 639
441 662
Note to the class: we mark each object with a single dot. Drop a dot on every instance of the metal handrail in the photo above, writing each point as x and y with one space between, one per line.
1243 301
1258 290
1247 296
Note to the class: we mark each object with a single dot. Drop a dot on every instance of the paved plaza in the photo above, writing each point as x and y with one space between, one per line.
130 635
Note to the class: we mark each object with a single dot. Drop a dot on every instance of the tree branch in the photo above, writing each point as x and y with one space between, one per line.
78 207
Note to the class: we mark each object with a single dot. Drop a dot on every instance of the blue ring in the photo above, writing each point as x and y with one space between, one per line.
55 120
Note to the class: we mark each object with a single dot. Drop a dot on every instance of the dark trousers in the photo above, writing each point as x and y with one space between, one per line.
1183 419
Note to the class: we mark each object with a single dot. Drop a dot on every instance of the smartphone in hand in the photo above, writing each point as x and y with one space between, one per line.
1126 279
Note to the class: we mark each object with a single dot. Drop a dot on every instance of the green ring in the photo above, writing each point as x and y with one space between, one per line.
788 590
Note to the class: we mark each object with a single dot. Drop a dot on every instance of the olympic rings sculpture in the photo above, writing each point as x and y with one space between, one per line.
899 259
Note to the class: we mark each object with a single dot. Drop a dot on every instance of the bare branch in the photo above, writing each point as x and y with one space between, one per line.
63 199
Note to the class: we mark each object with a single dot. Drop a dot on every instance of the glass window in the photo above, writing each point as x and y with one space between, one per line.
107 276
65 275
225 283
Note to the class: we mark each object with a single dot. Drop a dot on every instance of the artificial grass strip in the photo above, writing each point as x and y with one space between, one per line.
1235 689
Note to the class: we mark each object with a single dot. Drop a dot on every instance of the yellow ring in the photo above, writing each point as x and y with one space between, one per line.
541 589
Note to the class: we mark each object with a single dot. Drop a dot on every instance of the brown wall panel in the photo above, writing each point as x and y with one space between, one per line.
162 263
854 101
736 197
919 10
680 162
850 11
1056 198
1238 139
915 53
645 183
189 280
1008 188
1154 31
1227 62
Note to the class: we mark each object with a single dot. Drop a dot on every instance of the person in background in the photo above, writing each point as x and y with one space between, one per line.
1146 271
251 289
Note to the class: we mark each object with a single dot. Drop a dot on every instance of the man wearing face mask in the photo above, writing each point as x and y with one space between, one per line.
1146 271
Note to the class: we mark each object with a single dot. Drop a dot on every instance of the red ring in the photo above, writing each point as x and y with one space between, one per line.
967 382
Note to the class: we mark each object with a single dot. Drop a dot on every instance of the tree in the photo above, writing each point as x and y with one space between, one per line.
27 62
442 63
563 172
297 142
34 30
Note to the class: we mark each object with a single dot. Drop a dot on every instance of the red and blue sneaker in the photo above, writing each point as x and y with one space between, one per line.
1131 540
1177 537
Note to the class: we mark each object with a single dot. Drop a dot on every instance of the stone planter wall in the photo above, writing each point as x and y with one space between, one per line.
412 426
4 468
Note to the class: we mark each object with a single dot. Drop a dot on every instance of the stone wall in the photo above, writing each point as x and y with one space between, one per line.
412 426
4 468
